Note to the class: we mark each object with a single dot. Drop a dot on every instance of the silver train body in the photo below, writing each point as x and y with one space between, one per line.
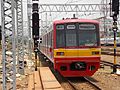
110 41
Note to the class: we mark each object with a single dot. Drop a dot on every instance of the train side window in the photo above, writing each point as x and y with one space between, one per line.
60 35
60 39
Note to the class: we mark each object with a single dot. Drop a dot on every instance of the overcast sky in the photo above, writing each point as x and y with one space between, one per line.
56 2
70 1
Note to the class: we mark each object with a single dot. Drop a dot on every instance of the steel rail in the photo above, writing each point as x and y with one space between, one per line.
71 84
109 53
92 83
110 64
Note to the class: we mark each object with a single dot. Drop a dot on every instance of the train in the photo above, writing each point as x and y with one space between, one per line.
73 46
109 41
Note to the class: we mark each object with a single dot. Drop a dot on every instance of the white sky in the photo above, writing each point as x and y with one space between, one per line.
74 1
55 2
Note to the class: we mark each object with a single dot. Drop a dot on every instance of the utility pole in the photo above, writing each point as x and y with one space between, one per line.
8 44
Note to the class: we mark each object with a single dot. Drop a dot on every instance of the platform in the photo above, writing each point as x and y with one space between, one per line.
43 79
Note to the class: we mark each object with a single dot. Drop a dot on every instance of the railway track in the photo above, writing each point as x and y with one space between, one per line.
110 53
109 64
107 50
83 84
72 85
92 83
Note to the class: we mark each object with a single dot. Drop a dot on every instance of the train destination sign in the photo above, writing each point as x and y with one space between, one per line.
60 27
87 27
70 26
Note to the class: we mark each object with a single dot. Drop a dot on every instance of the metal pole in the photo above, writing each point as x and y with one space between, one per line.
13 75
29 30
8 44
77 11
20 42
30 40
46 22
4 87
105 11
36 59
115 10
115 31
35 29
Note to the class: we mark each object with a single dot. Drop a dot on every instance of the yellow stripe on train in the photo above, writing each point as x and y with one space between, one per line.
77 52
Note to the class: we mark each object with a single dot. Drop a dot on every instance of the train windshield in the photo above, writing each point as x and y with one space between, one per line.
76 35
60 33
60 40
87 38
87 35
71 38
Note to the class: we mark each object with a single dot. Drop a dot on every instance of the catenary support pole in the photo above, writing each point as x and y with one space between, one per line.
8 44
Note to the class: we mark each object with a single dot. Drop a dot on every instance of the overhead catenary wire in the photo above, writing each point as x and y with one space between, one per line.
67 2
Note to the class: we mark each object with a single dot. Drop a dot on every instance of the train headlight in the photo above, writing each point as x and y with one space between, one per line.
95 53
60 53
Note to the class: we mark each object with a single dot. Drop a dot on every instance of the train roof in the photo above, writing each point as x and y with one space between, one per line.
75 20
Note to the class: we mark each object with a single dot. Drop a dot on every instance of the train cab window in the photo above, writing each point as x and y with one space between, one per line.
87 35
87 38
71 38
60 36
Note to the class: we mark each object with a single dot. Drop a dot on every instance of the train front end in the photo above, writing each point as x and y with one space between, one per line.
76 47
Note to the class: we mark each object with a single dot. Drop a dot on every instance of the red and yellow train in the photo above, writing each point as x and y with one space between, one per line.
73 46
